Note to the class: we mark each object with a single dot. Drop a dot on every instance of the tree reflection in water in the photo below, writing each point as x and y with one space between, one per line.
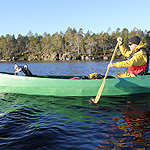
131 129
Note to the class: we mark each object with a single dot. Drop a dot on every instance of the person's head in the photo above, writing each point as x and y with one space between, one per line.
134 42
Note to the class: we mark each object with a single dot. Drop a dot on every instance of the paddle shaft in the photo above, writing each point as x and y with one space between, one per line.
104 80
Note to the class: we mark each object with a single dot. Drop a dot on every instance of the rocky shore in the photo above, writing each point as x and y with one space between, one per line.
62 56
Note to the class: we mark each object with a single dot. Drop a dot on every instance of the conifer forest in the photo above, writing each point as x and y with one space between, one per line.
68 45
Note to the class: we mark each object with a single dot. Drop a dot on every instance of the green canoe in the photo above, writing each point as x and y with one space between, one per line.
64 86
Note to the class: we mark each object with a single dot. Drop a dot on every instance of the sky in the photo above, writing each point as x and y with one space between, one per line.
51 16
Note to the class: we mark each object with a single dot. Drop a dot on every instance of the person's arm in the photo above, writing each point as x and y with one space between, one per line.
137 60
122 47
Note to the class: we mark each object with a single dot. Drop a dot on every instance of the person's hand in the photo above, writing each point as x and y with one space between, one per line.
110 65
119 39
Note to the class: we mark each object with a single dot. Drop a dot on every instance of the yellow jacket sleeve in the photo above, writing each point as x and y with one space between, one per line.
124 51
138 59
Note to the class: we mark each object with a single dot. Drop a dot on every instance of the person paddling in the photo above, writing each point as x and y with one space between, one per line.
138 58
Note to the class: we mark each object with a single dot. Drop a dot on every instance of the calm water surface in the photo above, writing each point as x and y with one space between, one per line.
72 123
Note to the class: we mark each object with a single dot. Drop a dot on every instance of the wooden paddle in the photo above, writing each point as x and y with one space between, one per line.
96 100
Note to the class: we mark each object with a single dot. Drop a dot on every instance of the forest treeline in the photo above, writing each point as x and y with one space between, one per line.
71 44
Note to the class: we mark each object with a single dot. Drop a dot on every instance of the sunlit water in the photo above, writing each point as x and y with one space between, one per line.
72 123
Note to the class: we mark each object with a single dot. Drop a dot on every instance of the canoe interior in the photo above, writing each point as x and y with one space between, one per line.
55 76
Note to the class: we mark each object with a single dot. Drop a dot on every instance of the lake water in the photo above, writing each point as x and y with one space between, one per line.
72 123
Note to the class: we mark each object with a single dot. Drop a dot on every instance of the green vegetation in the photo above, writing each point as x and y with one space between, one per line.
70 45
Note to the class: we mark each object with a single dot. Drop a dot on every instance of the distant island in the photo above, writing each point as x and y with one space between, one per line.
68 45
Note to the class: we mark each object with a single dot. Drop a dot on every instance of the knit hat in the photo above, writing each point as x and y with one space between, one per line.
135 40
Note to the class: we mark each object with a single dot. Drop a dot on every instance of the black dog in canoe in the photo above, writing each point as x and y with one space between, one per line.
23 69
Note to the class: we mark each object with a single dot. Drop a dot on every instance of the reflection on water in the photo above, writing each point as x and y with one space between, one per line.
131 128
74 123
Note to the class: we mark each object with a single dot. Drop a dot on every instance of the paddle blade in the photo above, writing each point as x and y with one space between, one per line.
99 92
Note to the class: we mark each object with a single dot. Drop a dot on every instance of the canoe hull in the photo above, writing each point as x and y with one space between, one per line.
65 87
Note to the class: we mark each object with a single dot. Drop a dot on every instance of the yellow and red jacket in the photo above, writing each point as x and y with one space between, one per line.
138 61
